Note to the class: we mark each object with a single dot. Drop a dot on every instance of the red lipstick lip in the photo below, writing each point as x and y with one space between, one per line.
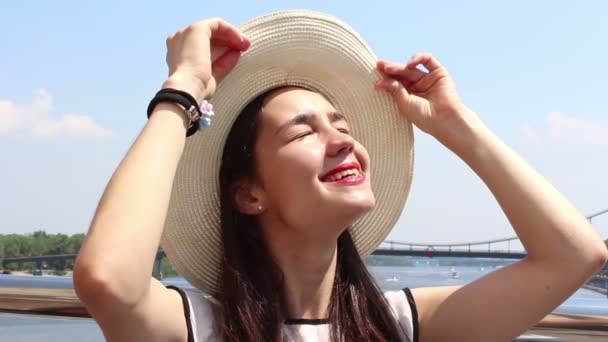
350 181
342 167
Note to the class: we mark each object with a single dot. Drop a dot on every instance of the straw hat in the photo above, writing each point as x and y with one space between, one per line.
314 51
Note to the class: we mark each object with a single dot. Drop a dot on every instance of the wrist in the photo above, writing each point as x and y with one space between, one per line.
171 111
194 87
465 135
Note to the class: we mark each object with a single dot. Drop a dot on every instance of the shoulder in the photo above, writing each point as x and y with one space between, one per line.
200 311
404 310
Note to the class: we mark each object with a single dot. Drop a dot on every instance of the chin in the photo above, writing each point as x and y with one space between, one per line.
358 206
333 217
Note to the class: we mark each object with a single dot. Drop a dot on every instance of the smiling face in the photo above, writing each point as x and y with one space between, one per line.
311 172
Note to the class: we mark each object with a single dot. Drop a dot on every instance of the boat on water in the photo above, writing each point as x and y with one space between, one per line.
392 279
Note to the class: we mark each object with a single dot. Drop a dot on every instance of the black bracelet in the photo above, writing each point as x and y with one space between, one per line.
174 98
182 93
185 100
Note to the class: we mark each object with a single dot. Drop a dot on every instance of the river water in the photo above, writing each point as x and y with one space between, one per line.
19 328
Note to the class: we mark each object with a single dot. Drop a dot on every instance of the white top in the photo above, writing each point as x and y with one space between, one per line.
201 325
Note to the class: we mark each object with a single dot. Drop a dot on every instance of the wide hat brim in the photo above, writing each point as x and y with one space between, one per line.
314 51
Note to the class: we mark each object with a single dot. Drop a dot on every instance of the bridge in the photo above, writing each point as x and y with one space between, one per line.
479 249
494 249
39 260
460 250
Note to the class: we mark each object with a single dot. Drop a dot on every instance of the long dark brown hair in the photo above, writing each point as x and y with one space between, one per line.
252 298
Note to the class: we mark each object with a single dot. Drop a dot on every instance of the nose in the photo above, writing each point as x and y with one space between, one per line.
339 143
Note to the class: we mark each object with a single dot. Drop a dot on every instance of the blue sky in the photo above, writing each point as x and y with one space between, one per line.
76 79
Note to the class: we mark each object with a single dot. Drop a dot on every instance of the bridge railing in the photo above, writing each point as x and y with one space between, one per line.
466 246
39 260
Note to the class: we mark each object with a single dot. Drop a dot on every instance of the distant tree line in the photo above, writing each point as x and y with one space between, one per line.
37 244
41 243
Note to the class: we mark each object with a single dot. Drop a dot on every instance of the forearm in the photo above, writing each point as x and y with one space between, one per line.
551 230
124 236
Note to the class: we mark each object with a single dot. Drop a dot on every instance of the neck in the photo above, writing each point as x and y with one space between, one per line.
308 268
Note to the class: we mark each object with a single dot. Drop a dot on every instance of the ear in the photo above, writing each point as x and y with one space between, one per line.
248 198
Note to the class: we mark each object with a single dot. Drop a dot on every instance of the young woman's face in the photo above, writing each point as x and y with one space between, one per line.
302 146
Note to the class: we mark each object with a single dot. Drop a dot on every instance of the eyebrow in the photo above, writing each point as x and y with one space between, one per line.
306 118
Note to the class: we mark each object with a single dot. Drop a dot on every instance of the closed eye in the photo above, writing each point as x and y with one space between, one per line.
301 135
344 130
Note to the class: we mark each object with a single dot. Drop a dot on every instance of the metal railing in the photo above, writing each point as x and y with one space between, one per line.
45 302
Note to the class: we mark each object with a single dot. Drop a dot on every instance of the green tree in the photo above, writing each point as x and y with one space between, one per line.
74 243
1 248
166 268
40 243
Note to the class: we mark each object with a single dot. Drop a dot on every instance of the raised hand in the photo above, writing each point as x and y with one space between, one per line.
427 99
202 54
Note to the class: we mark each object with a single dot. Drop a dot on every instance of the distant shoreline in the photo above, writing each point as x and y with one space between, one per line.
596 289
45 273
68 273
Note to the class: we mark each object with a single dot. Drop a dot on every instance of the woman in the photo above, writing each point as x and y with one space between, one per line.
294 184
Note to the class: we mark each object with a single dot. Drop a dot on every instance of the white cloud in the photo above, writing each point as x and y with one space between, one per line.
528 133
37 119
9 117
576 130
563 128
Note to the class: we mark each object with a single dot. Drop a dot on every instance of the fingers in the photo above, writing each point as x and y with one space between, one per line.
218 51
400 71
224 64
226 34
388 84
426 59
409 70
217 30
393 86
397 91
413 79
221 42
